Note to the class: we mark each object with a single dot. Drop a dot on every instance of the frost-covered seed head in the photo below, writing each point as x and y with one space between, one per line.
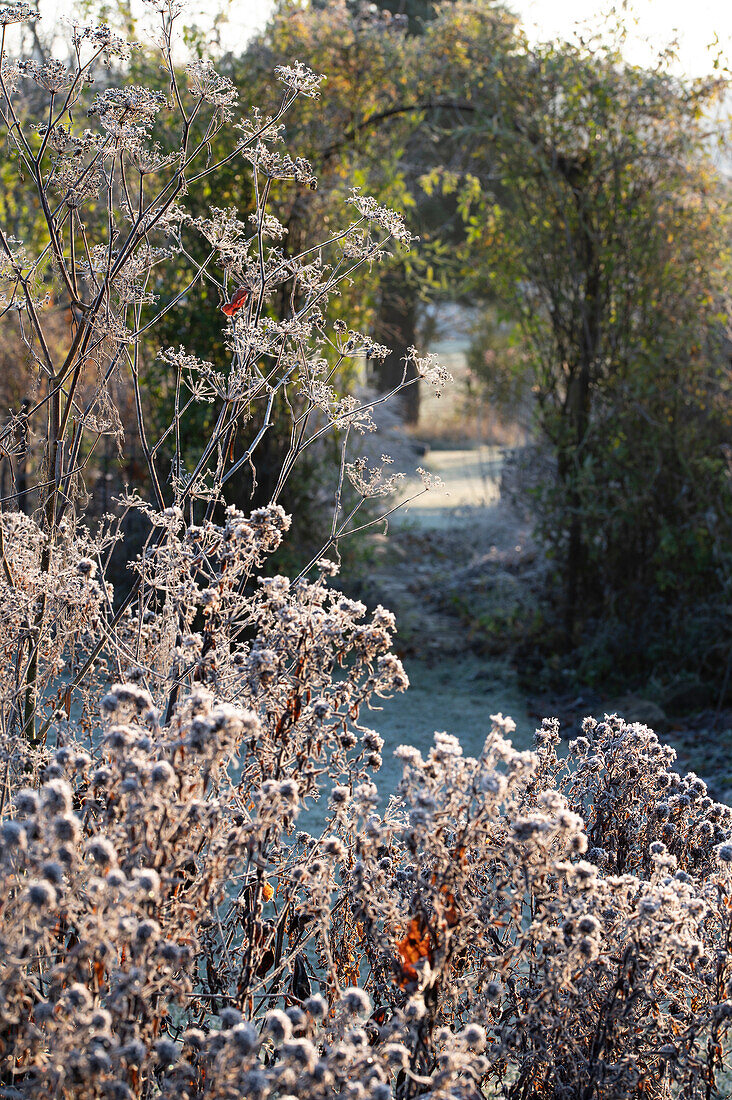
26 802
40 896
102 851
317 1006
57 796
356 1001
278 1025
244 1038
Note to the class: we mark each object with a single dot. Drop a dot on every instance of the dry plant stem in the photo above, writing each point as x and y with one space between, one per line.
203 895
72 366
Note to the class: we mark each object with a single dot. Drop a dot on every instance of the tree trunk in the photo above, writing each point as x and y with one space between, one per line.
577 411
395 327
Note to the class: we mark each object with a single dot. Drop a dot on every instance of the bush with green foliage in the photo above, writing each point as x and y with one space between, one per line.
603 234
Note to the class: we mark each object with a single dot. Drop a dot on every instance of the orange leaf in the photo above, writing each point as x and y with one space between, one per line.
238 300
416 945
451 914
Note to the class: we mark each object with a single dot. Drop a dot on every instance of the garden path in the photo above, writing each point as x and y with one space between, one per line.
429 546
446 548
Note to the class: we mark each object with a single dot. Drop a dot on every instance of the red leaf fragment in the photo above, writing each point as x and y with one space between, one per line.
238 301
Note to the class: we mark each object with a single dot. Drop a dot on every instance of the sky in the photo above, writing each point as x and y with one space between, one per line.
655 24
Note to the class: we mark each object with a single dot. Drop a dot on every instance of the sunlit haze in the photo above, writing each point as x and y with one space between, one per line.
653 25
699 30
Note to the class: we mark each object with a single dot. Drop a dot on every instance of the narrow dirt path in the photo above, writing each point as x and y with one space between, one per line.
440 553
429 548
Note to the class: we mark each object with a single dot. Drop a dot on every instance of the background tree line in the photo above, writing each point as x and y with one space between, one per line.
577 198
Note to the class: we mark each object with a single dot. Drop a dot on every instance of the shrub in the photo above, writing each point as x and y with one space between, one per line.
559 929
166 929
603 221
